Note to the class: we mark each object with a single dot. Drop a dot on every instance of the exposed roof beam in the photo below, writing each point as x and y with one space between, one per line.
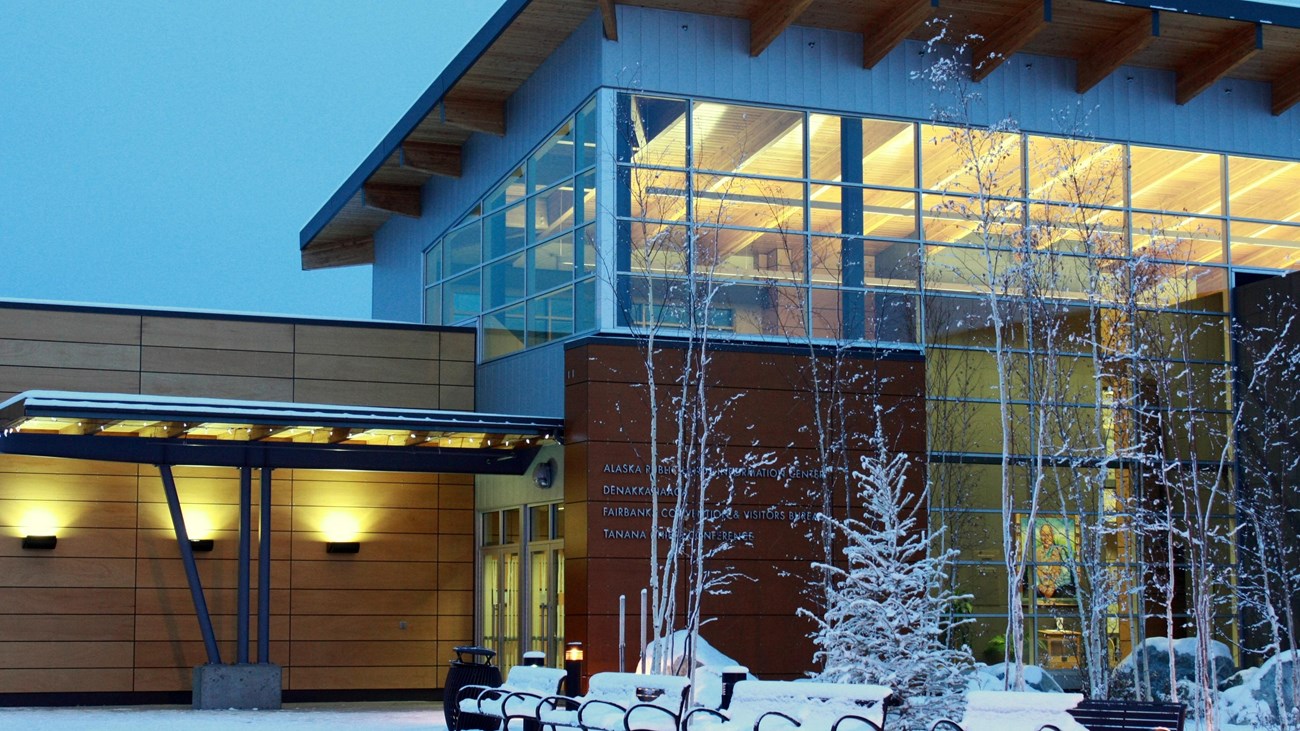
771 20
345 253
1009 38
608 18
1116 50
431 157
403 199
476 115
1286 91
1230 51
884 32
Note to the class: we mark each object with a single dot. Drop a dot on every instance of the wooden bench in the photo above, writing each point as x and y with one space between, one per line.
518 697
774 705
1129 715
620 702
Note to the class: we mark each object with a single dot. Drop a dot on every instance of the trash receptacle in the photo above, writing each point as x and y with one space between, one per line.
472 666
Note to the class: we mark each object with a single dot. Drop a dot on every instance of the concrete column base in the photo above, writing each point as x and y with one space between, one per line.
246 687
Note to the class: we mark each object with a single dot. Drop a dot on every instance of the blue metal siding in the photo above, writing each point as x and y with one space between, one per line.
500 387
683 53
554 91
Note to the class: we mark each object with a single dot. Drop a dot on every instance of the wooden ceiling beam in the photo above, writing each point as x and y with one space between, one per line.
890 28
1009 38
1286 91
1230 51
344 253
771 20
1115 51
403 199
476 115
609 19
434 158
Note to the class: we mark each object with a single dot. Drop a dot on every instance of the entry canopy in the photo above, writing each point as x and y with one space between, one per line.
265 434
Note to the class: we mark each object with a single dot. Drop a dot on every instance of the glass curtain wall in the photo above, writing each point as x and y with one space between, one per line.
1074 291
521 263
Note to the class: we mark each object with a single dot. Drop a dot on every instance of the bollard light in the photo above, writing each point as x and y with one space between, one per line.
573 669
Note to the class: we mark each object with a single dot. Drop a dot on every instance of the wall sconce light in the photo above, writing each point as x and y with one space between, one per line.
341 531
40 542
39 529
201 545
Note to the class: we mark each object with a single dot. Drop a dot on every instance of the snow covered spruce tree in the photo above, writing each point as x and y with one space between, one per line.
889 611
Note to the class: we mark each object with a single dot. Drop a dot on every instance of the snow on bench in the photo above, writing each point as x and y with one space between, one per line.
999 710
774 705
621 702
518 697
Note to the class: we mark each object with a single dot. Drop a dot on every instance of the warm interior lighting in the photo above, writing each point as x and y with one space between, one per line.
340 528
573 653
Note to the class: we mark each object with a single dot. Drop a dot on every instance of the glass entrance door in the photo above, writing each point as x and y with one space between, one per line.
521 554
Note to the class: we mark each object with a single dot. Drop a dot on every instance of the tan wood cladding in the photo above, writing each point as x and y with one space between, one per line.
239 358
110 610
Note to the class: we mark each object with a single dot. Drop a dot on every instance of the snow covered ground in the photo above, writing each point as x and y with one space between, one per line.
329 717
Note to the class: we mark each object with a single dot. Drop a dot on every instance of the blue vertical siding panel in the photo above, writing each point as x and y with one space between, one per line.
711 59
500 390
568 77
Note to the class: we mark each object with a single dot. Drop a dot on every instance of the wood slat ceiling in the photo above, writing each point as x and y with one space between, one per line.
475 102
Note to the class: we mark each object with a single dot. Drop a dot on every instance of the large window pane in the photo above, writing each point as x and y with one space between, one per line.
750 202
586 237
433 264
551 264
510 191
653 193
1075 171
1178 238
888 151
877 317
1265 245
550 317
750 140
461 249
743 254
971 161
503 332
460 298
868 211
656 248
553 162
505 231
974 221
855 262
652 131
1268 189
504 281
433 305
584 297
585 195
584 138
1079 230
552 211
1176 181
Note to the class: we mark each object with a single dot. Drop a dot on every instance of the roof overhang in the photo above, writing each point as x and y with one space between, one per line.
1202 41
226 433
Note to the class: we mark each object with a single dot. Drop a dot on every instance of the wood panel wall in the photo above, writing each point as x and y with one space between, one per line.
109 609
607 450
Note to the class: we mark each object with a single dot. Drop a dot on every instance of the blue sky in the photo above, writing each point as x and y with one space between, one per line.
167 153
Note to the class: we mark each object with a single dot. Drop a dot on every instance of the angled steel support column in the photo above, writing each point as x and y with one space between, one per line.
245 533
264 571
191 570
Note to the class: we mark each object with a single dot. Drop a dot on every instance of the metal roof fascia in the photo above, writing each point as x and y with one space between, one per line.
1244 10
459 65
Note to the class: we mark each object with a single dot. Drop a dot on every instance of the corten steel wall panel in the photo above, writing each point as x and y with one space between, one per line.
553 91
822 69
111 601
606 450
